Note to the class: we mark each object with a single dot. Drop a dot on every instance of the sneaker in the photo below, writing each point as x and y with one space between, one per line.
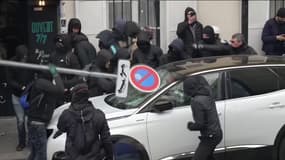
20 147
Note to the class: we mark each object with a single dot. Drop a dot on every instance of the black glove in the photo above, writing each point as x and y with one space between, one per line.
189 125
58 133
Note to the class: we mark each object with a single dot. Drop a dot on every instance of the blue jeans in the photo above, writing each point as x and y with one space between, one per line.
37 141
20 115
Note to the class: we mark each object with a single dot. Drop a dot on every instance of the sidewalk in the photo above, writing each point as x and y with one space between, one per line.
9 140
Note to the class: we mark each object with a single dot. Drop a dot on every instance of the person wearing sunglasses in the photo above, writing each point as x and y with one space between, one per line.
239 46
190 31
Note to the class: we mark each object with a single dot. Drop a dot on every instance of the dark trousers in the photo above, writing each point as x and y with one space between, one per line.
206 148
37 141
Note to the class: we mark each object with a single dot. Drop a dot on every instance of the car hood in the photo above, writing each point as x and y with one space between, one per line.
99 102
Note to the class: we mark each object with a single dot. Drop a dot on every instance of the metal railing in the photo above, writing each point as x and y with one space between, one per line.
59 69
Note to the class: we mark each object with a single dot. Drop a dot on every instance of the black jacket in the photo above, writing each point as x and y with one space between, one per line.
100 86
83 49
175 52
271 46
203 106
96 133
146 53
44 111
13 74
244 49
184 32
215 49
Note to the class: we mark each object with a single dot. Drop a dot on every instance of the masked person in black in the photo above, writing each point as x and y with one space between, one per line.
42 99
146 53
205 117
175 52
211 45
18 79
65 58
190 31
99 86
85 51
86 127
273 34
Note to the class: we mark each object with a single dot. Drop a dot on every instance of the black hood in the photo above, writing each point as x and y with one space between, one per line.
78 37
132 29
209 31
63 43
196 85
143 42
21 52
178 44
80 106
188 9
74 23
82 112
106 39
103 57
119 30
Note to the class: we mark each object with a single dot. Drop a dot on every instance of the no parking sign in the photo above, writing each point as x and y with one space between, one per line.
144 78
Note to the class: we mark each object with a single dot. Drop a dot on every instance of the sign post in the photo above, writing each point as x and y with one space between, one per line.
123 78
144 78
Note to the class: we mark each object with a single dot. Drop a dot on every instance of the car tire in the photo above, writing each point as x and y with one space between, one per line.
281 149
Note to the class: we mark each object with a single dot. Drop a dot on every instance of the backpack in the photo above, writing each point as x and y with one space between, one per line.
27 101
84 136
25 96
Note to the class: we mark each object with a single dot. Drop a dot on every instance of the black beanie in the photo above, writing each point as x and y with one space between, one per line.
80 93
281 12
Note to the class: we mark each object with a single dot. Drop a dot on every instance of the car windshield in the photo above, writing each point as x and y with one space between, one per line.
135 97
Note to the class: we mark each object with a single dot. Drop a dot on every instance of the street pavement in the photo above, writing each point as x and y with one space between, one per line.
9 140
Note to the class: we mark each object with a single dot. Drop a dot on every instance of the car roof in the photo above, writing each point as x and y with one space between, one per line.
191 66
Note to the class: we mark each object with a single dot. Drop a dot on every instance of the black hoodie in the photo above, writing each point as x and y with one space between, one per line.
17 84
203 106
74 23
176 52
146 53
86 127
185 32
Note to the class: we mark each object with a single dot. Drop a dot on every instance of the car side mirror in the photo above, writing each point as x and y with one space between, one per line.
162 105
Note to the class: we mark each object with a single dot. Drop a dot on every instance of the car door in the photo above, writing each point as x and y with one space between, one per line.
254 111
167 131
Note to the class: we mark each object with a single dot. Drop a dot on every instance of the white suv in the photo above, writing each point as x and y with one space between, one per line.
250 99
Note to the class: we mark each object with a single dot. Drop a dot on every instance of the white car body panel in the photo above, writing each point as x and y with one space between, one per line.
251 121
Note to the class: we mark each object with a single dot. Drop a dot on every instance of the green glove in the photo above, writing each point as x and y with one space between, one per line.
52 70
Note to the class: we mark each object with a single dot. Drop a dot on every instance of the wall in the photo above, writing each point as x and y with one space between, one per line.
258 15
224 14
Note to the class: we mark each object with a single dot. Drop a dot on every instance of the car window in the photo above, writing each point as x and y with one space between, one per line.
280 71
176 93
252 81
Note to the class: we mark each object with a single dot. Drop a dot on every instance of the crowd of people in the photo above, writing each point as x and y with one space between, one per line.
127 41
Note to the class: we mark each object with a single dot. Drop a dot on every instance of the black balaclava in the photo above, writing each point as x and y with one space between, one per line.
21 52
80 93
143 42
209 31
63 43
74 23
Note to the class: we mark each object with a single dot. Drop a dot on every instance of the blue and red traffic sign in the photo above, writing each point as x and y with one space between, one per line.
144 78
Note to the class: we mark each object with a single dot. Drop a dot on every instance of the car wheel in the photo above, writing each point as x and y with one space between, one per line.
124 150
281 150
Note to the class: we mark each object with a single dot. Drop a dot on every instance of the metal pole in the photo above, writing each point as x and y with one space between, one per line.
59 69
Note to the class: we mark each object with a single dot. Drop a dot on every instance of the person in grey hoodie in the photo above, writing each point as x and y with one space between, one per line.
206 119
